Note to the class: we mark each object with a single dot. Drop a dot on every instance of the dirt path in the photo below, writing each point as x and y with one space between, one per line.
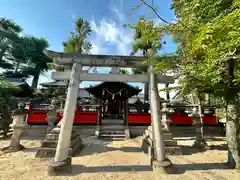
116 161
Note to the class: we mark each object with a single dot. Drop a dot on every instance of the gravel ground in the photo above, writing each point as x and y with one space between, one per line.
106 160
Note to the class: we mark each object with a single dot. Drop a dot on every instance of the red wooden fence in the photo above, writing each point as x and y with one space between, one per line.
38 116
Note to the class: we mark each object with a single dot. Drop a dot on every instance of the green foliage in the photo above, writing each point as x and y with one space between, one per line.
208 35
9 31
22 53
147 37
9 26
140 70
123 71
6 88
46 93
77 40
37 60
56 66
148 40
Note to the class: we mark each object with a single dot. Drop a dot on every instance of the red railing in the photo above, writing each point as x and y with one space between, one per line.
38 116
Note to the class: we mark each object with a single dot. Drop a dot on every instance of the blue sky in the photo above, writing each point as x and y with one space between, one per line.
53 20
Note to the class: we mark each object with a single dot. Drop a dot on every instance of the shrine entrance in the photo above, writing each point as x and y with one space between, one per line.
76 61
112 109
113 100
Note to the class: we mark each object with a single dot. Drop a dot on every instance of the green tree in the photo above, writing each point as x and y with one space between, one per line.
77 40
148 40
208 34
212 42
9 32
123 71
37 61
144 42
6 90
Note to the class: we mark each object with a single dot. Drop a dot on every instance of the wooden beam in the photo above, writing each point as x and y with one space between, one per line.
98 60
112 77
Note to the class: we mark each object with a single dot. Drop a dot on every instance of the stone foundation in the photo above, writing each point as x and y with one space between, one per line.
171 147
39 131
49 145
163 167
60 168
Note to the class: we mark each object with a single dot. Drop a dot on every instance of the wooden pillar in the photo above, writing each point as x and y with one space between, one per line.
126 112
161 164
167 92
62 160
99 110
146 92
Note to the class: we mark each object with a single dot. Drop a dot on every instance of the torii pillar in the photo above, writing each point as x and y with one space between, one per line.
62 161
161 164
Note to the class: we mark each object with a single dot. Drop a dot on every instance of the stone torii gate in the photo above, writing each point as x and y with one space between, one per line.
62 161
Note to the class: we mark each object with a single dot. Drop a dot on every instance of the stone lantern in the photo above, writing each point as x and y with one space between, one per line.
166 116
196 117
18 125
51 115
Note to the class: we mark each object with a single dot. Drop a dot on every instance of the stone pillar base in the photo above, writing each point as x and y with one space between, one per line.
163 167
200 144
97 132
49 144
10 148
60 168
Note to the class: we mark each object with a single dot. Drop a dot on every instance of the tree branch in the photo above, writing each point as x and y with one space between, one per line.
162 19
156 13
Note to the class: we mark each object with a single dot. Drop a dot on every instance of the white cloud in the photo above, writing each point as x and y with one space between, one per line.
120 16
109 36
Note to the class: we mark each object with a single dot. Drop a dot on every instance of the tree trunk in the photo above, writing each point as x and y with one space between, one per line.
233 135
2 52
167 92
17 66
146 92
6 120
201 119
35 80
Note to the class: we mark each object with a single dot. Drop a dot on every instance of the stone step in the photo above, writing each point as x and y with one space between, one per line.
113 135
114 139
53 143
170 143
111 132
174 150
113 122
112 127
167 136
47 152
56 136
50 152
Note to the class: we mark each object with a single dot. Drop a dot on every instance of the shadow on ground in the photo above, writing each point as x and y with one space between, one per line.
209 139
188 150
176 168
201 166
102 148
